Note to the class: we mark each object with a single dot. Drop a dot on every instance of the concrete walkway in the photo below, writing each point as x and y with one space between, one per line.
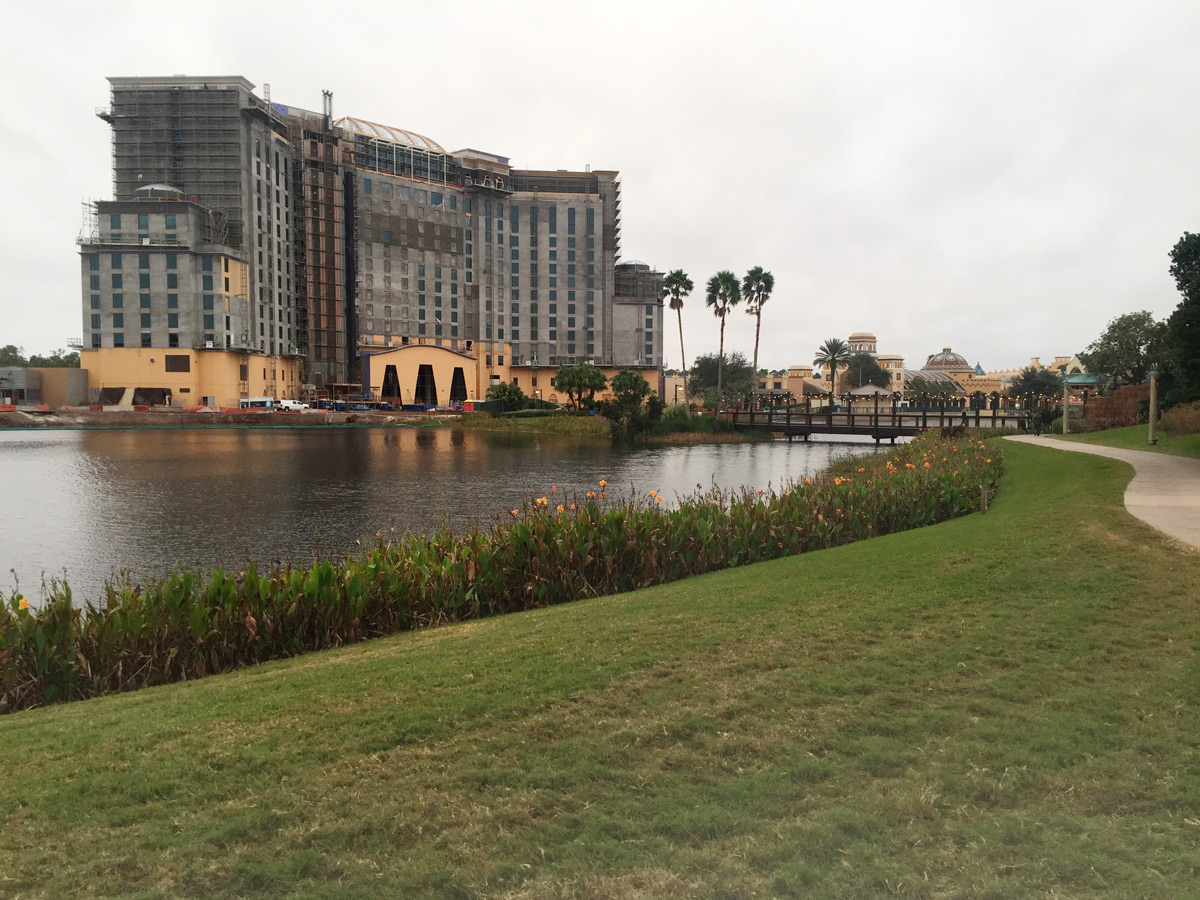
1164 493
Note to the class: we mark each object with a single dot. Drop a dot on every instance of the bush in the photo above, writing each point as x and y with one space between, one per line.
550 551
676 419
1184 419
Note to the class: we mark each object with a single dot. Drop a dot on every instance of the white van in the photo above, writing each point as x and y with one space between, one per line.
292 405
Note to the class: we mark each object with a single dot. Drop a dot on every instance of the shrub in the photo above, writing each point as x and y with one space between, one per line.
549 551
1184 419
675 418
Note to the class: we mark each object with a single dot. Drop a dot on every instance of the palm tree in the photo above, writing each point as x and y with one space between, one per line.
677 286
756 288
723 295
832 354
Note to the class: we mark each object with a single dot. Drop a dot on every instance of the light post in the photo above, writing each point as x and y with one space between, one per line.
1153 433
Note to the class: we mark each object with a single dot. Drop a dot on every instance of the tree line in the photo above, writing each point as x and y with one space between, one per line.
12 355
1134 344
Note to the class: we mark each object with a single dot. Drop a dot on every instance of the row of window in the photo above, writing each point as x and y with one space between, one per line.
143 221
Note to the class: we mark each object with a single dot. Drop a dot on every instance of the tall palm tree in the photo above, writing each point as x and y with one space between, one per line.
677 285
723 295
756 288
832 354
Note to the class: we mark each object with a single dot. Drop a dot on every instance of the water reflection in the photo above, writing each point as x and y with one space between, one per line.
92 504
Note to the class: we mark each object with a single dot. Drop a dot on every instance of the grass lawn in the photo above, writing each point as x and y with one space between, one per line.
1135 437
1000 706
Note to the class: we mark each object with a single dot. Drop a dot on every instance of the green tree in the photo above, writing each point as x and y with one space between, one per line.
12 355
756 288
1184 324
1128 348
735 369
1035 384
629 410
59 359
831 356
863 368
723 295
509 393
580 383
676 286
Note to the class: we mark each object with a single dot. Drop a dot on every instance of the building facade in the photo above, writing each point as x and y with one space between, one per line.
344 238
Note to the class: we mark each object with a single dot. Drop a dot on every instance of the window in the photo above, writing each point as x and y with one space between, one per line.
116 281
118 339
170 217
173 282
208 301
94 282
172 301
206 263
178 362
173 339
144 301
366 185
143 260
172 320
96 322
95 340
93 262
143 222
114 222
95 301
118 301
145 320
207 282
144 281
171 258
209 321
145 339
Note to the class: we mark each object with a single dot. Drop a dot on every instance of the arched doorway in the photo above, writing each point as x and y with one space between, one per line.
458 386
391 384
426 389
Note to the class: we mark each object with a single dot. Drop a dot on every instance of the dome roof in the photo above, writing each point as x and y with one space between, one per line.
947 361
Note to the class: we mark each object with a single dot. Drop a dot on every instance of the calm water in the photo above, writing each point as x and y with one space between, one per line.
90 504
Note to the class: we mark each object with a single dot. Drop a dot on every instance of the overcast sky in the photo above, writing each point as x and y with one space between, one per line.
999 177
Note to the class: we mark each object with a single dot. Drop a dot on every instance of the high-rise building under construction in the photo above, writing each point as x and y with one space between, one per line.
352 237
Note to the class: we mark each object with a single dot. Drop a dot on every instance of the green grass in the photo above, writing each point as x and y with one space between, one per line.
562 424
1136 437
1000 706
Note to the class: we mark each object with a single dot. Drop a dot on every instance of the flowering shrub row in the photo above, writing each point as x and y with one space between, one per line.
551 551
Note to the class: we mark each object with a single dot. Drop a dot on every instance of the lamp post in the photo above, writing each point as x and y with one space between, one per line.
1153 433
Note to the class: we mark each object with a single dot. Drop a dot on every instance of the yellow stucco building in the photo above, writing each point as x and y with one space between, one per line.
183 377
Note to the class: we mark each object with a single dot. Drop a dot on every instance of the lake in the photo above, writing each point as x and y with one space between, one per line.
88 505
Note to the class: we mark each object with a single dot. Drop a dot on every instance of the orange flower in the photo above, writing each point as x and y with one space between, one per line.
988 459
541 500
24 604
808 481
862 470
591 495
839 512
572 507
927 465
603 483
553 489
654 493
714 503
560 507
658 499
515 511
760 490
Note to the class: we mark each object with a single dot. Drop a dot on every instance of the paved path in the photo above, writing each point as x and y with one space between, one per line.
1164 493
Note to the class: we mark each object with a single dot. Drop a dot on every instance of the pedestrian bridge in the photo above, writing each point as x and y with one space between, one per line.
796 421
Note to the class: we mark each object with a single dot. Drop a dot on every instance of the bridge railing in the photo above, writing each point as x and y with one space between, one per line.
795 416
